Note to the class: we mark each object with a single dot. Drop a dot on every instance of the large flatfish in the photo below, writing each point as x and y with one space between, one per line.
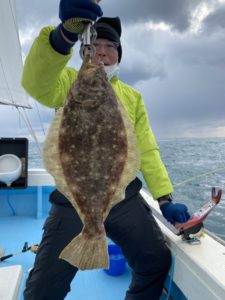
91 152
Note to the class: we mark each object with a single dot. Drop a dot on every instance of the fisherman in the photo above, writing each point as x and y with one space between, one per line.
130 223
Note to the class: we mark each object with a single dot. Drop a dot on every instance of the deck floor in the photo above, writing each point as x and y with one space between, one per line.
87 285
94 285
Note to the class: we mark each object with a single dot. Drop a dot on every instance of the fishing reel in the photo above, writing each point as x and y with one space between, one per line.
191 235
25 248
195 224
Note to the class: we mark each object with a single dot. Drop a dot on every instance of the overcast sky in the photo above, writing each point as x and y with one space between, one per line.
173 53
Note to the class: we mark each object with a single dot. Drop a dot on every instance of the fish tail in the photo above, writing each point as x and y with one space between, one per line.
87 253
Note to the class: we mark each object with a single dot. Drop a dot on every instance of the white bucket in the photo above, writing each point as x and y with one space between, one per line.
10 168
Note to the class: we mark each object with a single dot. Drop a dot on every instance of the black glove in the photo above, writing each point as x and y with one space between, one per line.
75 13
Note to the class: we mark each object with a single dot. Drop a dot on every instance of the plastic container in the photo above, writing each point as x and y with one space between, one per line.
14 147
117 261
10 168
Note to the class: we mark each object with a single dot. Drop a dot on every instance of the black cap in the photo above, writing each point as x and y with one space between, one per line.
110 29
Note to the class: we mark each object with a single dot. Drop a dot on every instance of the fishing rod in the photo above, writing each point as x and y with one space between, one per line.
195 223
25 248
198 176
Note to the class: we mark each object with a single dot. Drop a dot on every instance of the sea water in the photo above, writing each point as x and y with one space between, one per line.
202 161
194 166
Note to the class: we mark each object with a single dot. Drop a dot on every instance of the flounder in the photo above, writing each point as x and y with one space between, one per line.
91 152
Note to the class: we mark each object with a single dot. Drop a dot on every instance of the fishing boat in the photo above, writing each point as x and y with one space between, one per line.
197 269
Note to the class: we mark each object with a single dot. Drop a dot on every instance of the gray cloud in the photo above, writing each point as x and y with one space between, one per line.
177 13
141 60
215 20
189 99
37 13
180 74
196 50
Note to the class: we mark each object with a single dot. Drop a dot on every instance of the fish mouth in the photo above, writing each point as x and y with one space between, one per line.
101 62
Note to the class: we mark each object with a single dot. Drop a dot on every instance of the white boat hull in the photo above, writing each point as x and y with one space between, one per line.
199 269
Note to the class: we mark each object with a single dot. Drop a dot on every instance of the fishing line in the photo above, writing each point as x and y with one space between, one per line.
40 118
198 176
24 117
30 128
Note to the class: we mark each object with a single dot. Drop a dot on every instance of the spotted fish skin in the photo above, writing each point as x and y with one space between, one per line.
93 146
95 159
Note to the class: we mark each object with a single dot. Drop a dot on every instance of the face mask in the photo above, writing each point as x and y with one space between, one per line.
112 70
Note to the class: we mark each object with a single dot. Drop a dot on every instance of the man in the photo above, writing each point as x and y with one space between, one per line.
130 223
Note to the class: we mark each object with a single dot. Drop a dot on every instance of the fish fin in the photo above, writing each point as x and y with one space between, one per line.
132 165
51 159
87 254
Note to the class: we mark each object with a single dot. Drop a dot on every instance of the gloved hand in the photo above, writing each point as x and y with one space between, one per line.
74 14
175 212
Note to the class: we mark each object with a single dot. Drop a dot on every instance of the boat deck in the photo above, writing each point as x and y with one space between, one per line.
95 285
22 215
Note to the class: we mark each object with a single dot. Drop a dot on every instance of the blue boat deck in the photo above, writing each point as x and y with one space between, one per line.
22 215
95 285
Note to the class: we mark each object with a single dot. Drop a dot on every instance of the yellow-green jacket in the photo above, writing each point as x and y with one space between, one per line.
47 79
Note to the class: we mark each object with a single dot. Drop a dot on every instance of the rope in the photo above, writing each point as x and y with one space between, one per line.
16 28
30 128
4 75
40 119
